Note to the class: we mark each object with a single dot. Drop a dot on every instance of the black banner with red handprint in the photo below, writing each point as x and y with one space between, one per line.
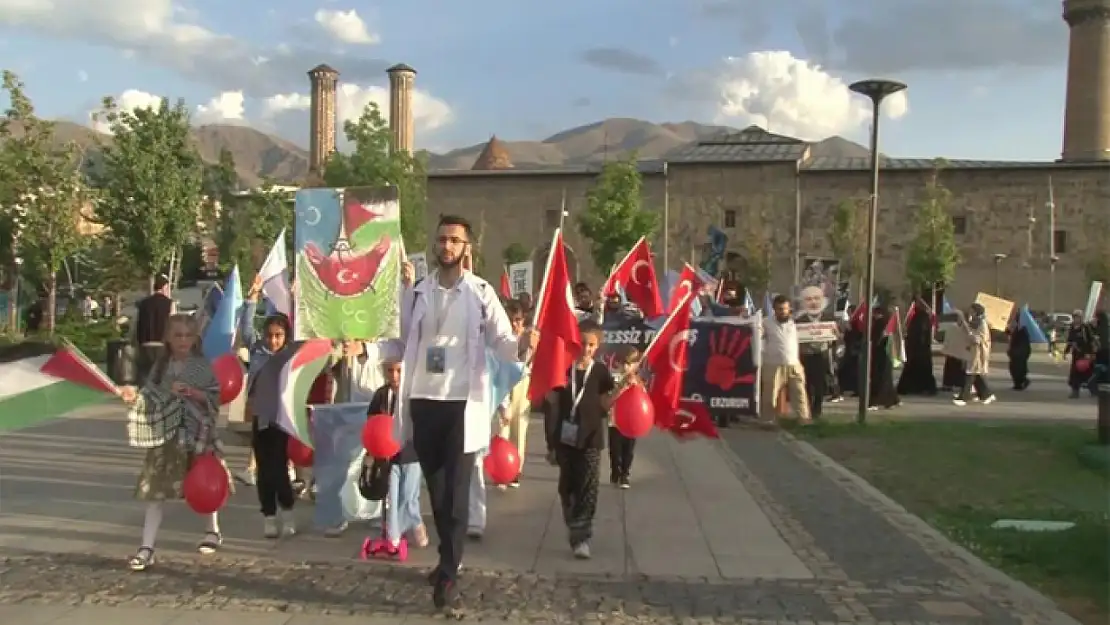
723 366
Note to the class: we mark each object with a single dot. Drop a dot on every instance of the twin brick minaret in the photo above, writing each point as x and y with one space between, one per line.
322 112
1087 113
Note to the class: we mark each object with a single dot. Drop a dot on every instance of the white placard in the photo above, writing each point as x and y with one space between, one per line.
419 262
817 331
520 278
1092 301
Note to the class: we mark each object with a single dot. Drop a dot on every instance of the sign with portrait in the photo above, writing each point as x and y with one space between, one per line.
819 286
520 278
723 366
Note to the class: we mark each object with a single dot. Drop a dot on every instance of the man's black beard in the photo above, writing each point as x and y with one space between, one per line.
444 264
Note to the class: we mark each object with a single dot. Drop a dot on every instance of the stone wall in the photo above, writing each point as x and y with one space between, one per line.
767 199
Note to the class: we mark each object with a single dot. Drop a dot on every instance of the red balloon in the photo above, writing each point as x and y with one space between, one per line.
230 375
378 437
206 487
502 463
299 454
633 413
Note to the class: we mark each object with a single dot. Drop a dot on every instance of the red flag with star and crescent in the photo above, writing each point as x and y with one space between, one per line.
636 275
560 341
667 357
693 419
688 282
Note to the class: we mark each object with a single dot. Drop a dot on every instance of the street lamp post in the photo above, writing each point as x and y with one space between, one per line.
998 258
876 90
1052 283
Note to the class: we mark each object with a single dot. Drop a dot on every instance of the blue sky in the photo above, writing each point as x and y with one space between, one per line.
986 79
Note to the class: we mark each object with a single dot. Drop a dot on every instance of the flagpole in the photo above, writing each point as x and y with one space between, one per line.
1051 249
546 273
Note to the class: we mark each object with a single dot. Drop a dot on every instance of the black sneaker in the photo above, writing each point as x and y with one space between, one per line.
614 478
515 483
446 597
625 483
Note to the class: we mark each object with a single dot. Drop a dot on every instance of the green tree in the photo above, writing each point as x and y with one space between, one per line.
614 219
848 238
152 181
44 191
372 164
248 226
112 270
932 256
220 184
515 253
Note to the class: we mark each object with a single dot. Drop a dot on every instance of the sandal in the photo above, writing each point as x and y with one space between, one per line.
142 560
211 543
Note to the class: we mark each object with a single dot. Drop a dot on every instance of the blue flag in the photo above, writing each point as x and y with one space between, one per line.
946 307
749 303
1026 320
503 376
219 335
768 306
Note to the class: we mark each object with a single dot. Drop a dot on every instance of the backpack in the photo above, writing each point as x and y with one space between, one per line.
373 480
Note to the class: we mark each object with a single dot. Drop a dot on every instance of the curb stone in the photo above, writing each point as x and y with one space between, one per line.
984 577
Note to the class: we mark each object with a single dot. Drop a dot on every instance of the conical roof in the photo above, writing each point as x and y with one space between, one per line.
493 157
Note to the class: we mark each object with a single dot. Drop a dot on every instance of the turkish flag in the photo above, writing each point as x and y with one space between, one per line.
636 275
667 358
688 282
506 290
560 342
859 318
912 312
69 364
693 419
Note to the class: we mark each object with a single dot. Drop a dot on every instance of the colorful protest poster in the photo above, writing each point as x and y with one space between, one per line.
348 263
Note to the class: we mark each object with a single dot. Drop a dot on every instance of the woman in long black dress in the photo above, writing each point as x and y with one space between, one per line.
883 392
1019 351
847 373
917 374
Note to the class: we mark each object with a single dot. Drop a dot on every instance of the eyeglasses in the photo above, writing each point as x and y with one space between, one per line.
451 241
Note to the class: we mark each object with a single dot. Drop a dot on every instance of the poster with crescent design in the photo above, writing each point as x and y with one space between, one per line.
348 263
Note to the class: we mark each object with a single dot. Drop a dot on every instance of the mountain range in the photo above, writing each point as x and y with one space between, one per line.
259 156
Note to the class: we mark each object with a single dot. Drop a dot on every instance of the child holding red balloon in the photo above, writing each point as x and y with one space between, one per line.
269 443
621 447
173 417
403 504
576 421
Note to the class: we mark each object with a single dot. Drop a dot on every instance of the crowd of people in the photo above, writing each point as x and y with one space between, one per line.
442 410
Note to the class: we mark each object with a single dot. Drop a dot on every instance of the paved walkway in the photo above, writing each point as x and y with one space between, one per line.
752 529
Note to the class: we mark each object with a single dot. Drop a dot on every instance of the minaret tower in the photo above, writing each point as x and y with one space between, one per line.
401 124
321 140
1087 112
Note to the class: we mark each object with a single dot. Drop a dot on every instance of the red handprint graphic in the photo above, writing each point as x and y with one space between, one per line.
725 348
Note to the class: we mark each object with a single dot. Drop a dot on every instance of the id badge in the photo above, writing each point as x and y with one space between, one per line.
568 434
437 360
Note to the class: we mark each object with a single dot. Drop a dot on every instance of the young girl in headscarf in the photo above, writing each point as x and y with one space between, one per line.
269 443
173 417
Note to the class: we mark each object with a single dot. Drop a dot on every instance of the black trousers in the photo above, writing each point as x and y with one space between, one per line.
578 484
1019 372
438 434
271 459
980 384
816 367
622 450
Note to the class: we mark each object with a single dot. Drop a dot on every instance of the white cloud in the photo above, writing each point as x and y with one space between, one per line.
224 108
129 100
793 97
429 112
346 26
154 32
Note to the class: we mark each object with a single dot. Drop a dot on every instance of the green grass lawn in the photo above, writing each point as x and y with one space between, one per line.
961 477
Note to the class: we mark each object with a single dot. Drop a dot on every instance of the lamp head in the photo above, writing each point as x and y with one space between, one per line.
877 89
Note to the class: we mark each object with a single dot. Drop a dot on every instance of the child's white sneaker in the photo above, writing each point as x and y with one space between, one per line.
269 527
288 524
582 551
336 531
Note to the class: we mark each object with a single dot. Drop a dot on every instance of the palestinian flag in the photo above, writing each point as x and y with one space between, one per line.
292 371
896 346
71 365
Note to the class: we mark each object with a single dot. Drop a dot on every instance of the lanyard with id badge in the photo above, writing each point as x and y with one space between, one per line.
568 429
435 361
